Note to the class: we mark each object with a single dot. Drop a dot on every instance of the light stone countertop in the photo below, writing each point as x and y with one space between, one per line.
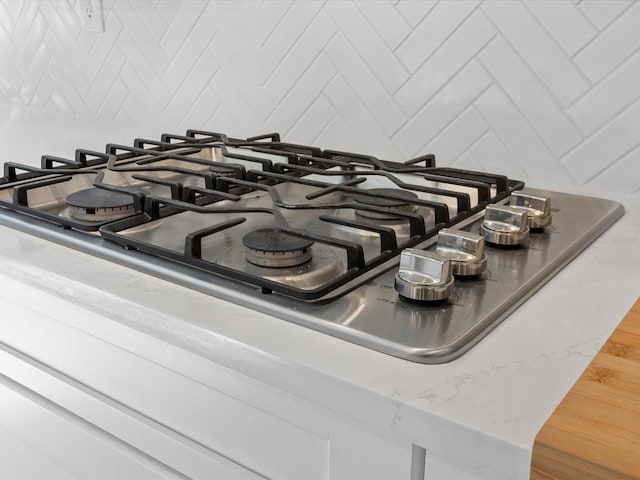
480 412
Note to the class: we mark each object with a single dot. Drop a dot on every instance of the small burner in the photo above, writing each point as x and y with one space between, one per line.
269 247
379 197
99 205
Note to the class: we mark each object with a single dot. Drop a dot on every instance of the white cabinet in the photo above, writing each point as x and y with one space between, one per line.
98 408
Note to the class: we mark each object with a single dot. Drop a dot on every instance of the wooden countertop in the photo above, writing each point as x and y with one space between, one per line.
595 431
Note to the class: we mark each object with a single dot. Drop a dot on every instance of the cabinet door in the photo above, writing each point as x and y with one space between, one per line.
185 411
40 440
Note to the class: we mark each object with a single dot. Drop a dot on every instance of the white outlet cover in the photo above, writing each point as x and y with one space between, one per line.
90 12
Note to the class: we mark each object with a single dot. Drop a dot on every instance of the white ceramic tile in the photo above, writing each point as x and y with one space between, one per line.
182 16
366 85
191 49
356 115
59 51
202 109
102 46
339 136
294 21
6 20
148 14
457 94
369 45
603 12
531 98
8 59
312 83
37 31
142 36
414 11
106 77
249 19
606 146
113 100
248 121
444 63
240 31
458 137
514 132
622 176
467 161
233 64
145 69
194 84
66 27
613 46
435 29
46 86
138 91
23 20
224 120
538 49
72 98
314 120
35 76
274 10
385 20
565 22
494 157
608 97
301 55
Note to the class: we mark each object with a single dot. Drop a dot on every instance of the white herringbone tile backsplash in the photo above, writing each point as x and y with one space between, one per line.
545 91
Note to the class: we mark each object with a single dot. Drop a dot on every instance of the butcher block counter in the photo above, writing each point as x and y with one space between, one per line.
595 431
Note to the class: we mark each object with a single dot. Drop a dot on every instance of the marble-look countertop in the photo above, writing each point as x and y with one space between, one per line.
480 412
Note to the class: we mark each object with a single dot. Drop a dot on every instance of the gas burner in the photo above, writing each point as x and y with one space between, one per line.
269 247
99 205
379 197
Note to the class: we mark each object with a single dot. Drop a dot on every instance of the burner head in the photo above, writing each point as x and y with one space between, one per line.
379 197
269 247
99 205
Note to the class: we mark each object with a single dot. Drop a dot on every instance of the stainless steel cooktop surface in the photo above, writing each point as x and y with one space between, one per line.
408 259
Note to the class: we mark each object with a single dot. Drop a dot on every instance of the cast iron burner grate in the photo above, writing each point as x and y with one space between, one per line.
337 193
189 197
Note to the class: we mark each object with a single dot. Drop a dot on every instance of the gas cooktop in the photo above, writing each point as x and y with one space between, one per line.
410 259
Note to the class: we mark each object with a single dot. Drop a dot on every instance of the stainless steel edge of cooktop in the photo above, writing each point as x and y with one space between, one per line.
372 315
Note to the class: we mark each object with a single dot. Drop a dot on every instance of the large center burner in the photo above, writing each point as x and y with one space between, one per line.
410 259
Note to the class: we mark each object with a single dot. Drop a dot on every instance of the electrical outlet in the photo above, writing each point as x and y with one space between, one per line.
91 15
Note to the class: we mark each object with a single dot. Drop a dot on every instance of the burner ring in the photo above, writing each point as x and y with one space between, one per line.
269 247
379 197
99 205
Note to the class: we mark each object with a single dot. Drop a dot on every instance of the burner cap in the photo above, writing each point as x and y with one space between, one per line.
269 247
99 205
379 197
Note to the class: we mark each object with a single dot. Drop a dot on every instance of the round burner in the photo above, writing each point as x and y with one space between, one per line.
269 247
99 205
379 197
